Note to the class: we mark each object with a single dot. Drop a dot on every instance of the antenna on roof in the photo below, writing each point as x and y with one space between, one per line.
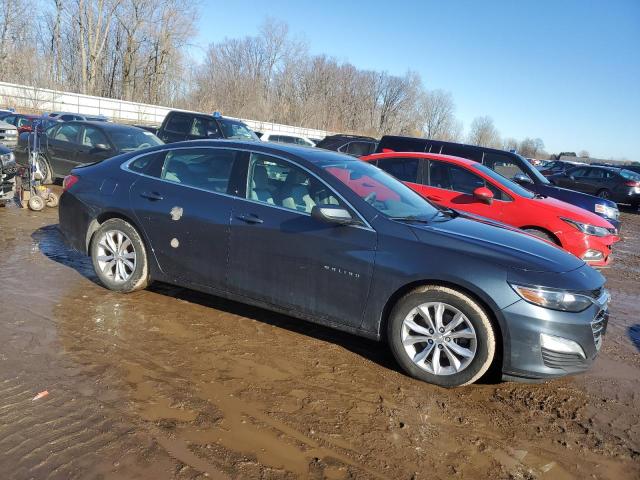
217 115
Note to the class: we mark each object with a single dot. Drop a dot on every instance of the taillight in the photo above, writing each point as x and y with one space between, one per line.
632 184
69 181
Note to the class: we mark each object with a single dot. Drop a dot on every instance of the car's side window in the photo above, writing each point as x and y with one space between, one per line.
205 128
179 123
92 136
458 179
150 164
359 149
503 165
276 182
596 173
578 172
205 168
67 133
405 169
439 175
463 180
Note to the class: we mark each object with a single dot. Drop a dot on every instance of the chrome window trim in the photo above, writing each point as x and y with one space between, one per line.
125 167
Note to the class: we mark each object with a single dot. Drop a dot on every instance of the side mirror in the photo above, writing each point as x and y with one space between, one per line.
332 214
483 194
212 134
522 178
101 146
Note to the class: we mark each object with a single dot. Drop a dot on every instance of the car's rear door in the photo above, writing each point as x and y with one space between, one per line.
281 255
62 148
183 200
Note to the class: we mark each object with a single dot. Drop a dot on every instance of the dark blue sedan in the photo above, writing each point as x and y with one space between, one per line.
327 238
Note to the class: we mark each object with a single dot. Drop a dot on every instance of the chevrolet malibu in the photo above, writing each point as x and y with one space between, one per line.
289 229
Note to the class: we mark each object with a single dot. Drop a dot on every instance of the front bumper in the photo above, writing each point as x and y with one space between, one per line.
526 358
581 245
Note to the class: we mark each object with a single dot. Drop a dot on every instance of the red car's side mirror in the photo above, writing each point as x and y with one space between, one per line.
483 194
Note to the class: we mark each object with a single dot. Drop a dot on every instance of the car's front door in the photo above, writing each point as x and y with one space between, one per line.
453 186
62 148
94 146
281 255
183 200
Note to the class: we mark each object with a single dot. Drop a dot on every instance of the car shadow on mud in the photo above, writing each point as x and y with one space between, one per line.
51 243
634 335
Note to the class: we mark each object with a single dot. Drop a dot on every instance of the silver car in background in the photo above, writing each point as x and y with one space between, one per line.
8 135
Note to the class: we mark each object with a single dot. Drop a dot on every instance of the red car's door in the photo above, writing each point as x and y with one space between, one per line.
453 186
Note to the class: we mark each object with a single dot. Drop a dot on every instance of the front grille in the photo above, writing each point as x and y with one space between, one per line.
599 327
553 359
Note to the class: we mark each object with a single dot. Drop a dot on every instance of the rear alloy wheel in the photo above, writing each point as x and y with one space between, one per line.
119 256
606 194
442 336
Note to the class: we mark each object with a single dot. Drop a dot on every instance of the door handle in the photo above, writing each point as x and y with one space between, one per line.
153 196
434 198
252 218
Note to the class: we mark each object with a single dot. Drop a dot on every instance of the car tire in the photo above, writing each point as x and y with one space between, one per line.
475 340
45 168
127 270
604 194
35 203
541 234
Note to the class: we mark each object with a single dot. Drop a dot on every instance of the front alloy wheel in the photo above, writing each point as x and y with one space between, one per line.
439 338
441 335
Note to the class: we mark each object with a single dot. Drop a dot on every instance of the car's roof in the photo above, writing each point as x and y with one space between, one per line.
432 156
288 134
104 125
312 155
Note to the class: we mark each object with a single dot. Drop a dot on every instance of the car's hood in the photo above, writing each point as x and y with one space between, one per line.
571 196
497 243
567 210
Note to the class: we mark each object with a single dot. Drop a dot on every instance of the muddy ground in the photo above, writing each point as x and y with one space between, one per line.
169 383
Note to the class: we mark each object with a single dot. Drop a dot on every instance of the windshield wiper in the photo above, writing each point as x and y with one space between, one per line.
410 218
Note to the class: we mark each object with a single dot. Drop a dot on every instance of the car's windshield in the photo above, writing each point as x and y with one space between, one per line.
237 130
386 194
505 182
133 139
533 171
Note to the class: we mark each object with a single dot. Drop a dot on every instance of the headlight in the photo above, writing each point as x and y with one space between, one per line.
554 299
588 229
607 211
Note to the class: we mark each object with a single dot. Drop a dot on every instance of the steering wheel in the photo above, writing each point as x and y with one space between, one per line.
370 198
144 145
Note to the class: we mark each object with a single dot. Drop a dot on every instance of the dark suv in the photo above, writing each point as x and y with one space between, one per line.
179 126
354 145
617 184
509 165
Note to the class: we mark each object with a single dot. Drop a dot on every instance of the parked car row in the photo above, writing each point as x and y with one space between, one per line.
332 239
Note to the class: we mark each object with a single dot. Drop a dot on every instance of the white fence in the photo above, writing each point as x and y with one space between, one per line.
22 97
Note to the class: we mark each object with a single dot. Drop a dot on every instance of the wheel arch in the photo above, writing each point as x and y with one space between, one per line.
485 303
95 224
543 230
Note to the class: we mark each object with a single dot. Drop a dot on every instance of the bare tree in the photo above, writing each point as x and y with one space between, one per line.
484 133
437 110
583 154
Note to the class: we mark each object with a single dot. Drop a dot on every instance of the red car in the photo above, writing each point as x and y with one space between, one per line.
471 187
